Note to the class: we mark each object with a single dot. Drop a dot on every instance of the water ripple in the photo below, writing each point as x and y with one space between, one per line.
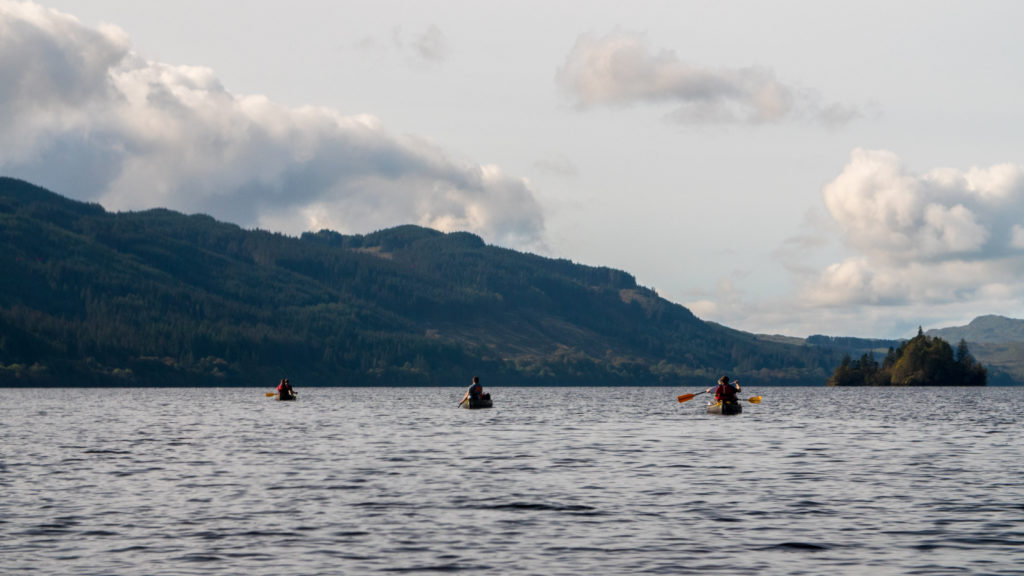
550 481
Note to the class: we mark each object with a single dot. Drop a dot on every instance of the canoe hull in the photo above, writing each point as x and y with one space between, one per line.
483 402
285 398
725 409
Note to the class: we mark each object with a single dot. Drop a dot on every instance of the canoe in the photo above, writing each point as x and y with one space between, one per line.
290 397
482 402
726 409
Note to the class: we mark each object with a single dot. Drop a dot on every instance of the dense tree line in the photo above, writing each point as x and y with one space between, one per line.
921 361
160 298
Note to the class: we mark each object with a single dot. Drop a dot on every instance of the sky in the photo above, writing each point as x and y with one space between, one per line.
848 168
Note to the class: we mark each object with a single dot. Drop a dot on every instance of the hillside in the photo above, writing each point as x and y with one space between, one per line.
984 329
996 341
161 298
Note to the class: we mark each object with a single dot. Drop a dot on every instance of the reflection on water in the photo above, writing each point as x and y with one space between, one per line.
550 481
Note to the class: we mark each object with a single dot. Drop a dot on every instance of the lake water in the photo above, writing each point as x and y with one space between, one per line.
549 481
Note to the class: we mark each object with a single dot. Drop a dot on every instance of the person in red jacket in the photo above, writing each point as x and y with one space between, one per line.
284 389
726 390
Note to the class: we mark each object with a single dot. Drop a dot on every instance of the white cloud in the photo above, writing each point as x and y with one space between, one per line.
927 249
922 244
619 69
427 47
951 230
84 115
431 45
893 216
873 202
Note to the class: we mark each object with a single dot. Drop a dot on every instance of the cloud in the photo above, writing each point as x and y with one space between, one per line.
427 47
928 249
83 114
431 45
892 215
619 69
941 240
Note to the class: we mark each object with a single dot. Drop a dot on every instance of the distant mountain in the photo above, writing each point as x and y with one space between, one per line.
156 297
984 329
996 341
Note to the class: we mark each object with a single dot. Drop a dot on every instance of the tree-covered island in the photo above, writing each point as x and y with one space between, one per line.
921 361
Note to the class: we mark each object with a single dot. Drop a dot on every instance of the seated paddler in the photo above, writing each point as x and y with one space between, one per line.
284 389
475 391
726 390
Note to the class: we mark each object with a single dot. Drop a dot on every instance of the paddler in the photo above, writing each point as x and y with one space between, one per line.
726 390
284 389
474 393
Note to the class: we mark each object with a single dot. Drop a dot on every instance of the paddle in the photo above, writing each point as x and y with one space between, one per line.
688 397
269 394
464 398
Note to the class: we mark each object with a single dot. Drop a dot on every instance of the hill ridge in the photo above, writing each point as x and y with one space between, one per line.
988 328
161 298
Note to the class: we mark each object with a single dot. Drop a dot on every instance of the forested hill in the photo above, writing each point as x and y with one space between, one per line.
984 329
996 341
89 297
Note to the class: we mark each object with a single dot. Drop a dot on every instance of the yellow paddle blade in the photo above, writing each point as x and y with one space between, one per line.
754 400
685 397
269 394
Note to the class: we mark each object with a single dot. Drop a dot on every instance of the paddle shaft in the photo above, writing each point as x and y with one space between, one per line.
688 397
